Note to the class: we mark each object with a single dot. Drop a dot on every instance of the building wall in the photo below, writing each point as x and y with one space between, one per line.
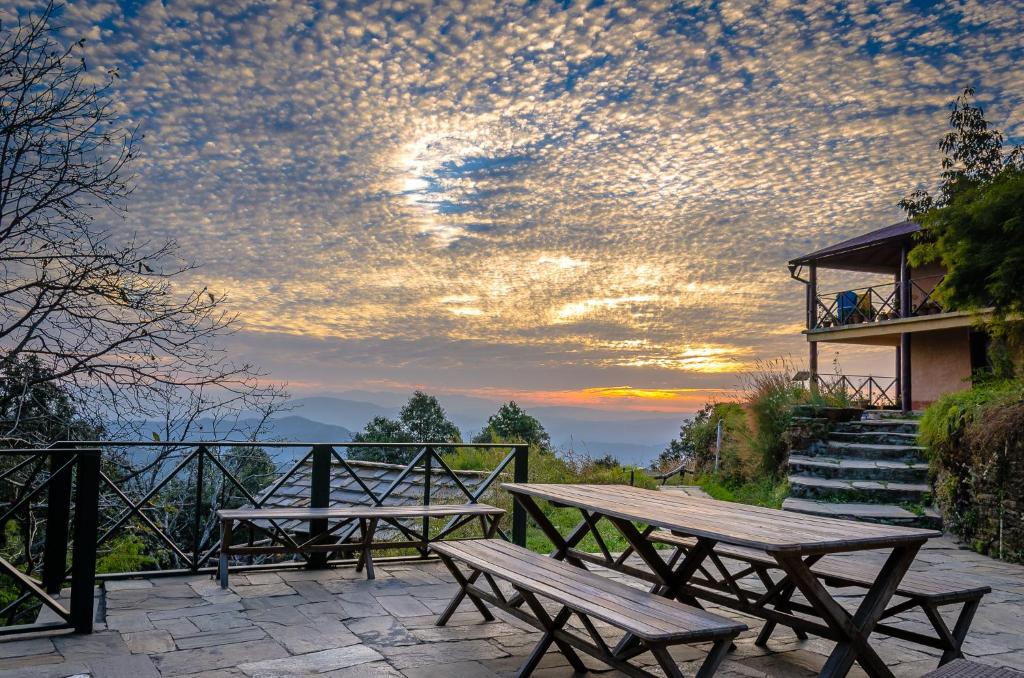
940 363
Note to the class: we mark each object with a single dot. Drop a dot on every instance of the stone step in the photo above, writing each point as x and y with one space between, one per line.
881 425
881 415
867 491
874 437
871 513
877 452
843 468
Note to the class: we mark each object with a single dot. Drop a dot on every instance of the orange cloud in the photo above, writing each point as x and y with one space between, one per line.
682 400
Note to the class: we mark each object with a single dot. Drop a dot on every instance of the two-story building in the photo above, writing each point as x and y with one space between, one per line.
935 351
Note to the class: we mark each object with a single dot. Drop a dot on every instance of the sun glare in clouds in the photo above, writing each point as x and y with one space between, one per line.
546 196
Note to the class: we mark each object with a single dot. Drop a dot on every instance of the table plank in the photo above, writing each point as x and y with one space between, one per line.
770 530
308 513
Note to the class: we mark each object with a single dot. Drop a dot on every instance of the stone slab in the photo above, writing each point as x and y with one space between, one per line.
312 663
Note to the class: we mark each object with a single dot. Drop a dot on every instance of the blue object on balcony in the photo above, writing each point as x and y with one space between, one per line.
847 305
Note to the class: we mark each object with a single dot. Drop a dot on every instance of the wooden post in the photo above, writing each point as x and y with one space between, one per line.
520 475
428 459
906 394
812 297
812 323
899 378
198 515
319 497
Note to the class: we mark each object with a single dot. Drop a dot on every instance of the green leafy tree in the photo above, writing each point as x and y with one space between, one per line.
421 420
696 437
382 430
511 423
974 227
426 421
973 156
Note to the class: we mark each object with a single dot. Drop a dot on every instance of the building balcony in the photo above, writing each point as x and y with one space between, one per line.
877 303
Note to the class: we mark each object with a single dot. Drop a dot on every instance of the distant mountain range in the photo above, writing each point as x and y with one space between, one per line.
629 437
632 439
307 430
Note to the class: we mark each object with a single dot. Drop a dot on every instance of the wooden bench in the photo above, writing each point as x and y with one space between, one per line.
654 621
321 537
961 668
927 591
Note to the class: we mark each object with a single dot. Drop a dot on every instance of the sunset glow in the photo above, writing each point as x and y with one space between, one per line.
543 199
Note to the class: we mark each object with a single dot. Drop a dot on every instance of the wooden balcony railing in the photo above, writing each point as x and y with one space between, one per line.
875 303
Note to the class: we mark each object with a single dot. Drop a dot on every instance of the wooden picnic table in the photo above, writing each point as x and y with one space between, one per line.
321 532
796 541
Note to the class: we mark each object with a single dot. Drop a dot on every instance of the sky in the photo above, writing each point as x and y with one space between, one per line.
564 203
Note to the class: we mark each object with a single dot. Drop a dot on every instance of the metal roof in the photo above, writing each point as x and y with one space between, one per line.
875 252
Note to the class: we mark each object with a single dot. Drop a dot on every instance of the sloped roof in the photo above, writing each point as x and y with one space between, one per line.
875 252
378 477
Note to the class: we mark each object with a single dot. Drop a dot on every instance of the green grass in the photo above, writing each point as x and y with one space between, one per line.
767 492
564 520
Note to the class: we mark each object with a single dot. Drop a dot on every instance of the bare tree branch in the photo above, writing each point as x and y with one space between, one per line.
103 315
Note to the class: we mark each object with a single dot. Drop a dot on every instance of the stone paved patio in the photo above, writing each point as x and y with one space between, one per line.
335 623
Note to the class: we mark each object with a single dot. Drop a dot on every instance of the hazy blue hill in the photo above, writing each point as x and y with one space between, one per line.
300 429
634 438
287 427
349 414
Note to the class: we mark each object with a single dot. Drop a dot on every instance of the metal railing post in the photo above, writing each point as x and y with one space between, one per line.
83 555
428 459
58 516
520 474
320 497
198 514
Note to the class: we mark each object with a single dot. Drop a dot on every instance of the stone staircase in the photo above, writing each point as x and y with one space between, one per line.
871 469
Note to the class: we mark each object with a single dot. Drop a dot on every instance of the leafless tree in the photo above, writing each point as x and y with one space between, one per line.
103 315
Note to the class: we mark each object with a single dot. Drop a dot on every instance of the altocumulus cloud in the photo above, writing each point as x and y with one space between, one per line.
532 195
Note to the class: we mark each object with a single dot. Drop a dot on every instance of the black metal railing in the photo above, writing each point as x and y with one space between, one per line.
861 390
151 506
875 303
46 492
171 499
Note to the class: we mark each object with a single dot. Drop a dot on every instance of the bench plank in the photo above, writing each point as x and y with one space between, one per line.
367 512
639 612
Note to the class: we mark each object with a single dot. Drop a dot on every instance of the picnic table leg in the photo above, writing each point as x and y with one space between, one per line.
368 528
491 529
715 657
666 662
960 629
225 545
954 639
671 581
550 627
464 584
854 630
782 605
562 545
